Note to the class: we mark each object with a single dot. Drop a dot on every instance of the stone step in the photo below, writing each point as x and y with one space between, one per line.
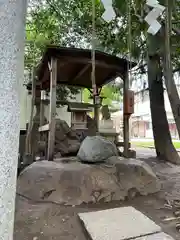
121 224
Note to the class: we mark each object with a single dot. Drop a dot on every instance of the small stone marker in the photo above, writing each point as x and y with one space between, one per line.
118 223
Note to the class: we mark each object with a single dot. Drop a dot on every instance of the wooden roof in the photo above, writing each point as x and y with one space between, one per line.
74 67
80 107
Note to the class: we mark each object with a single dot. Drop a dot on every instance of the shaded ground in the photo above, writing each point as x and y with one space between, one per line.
49 221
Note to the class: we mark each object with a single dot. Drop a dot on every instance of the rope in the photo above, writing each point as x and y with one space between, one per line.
93 52
129 39
168 29
93 73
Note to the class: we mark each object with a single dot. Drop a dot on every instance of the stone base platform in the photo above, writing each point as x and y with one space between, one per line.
122 224
68 181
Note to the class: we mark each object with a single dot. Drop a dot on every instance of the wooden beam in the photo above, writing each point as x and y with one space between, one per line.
65 102
98 63
52 109
126 117
45 77
81 72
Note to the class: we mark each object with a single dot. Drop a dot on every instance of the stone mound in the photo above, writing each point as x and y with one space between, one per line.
67 141
96 149
75 183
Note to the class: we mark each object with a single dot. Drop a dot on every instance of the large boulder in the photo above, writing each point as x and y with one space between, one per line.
96 149
73 183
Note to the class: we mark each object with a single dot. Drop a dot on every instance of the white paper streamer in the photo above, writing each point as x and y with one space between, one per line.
106 3
109 13
153 15
155 4
154 28
151 18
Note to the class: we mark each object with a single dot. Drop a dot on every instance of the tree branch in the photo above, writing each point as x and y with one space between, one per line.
177 31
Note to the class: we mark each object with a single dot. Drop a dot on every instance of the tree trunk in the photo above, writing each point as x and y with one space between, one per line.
12 25
173 96
167 67
162 138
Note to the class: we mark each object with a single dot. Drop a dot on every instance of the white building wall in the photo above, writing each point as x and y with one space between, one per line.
142 110
141 104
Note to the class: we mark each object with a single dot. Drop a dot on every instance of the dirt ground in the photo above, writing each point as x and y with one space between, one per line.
49 221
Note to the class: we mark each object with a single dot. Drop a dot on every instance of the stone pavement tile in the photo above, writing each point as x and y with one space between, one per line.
156 236
118 223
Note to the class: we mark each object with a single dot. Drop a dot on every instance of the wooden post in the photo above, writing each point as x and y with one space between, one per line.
43 136
96 112
28 148
42 110
52 109
126 117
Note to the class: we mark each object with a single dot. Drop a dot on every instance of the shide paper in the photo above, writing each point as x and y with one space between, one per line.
151 18
109 13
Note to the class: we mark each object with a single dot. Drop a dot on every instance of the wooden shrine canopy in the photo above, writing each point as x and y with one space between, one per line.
74 67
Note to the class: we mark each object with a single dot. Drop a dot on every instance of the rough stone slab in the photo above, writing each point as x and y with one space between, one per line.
73 183
118 223
156 236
